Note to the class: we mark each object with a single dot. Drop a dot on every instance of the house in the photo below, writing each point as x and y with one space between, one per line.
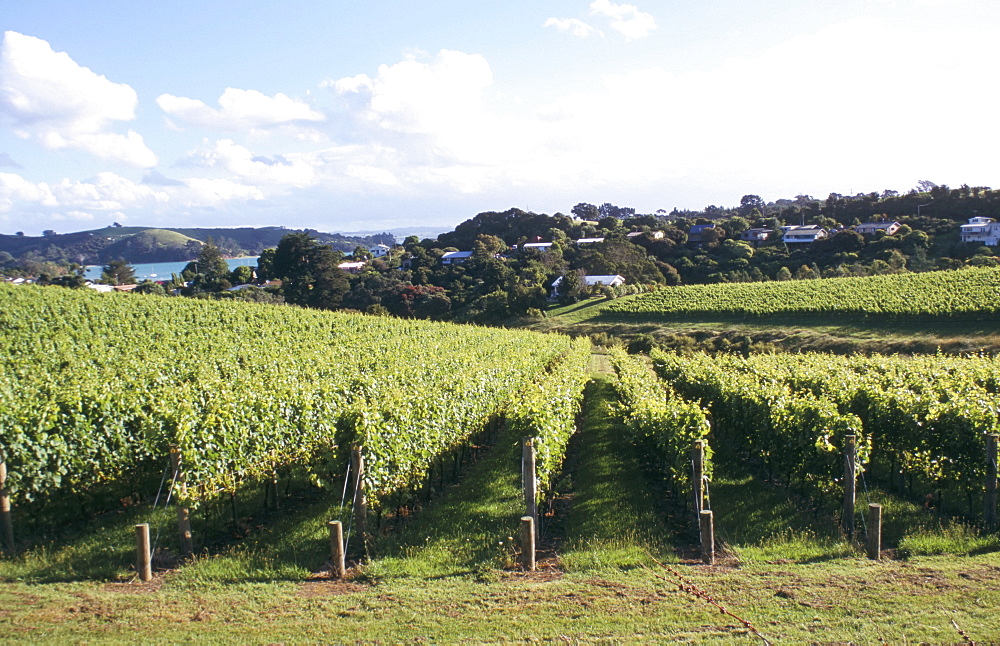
656 235
378 251
697 231
591 281
539 246
756 236
455 257
100 288
589 240
871 228
982 230
124 288
803 235
352 267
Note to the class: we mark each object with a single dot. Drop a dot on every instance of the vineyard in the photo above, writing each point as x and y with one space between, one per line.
96 391
451 434
970 294
916 420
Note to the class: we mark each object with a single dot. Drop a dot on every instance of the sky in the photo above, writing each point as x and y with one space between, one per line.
358 116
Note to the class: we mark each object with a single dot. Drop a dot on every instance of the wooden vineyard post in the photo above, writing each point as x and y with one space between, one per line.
850 482
143 558
360 499
183 513
990 504
5 517
707 524
528 543
529 478
337 548
874 531
698 475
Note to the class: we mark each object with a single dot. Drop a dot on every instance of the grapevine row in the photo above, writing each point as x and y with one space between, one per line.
925 415
972 293
96 387
547 410
657 416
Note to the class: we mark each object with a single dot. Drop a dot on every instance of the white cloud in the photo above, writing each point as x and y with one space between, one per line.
626 19
105 192
574 26
48 96
239 110
444 95
293 170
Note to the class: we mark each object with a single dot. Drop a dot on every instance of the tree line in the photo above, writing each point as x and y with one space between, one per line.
502 279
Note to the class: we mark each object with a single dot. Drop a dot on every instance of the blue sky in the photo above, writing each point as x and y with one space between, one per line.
346 116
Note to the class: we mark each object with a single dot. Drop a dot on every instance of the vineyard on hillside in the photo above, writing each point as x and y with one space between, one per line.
96 389
968 294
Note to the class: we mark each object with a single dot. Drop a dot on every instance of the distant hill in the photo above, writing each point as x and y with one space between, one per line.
148 244
153 245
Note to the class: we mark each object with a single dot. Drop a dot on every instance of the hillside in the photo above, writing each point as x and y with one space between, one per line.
148 244
152 245
765 317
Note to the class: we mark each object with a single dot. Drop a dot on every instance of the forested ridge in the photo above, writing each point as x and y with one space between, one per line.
508 261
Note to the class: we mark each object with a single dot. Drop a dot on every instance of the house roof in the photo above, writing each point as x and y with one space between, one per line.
589 240
452 255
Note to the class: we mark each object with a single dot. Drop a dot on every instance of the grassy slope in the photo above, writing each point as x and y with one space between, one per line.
600 585
588 317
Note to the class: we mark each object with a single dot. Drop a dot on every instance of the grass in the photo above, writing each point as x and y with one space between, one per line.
446 575
613 522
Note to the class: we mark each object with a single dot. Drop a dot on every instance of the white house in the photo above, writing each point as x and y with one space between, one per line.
589 240
656 235
871 228
352 267
591 281
379 251
540 246
455 257
983 230
803 235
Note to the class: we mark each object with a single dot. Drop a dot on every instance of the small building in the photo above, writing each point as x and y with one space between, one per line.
803 235
697 232
352 267
589 240
455 257
871 228
756 236
655 235
982 230
101 288
591 281
539 246
379 251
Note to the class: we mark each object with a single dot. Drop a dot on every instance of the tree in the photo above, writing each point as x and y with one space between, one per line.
265 265
572 287
150 287
750 202
585 211
309 273
117 272
241 275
